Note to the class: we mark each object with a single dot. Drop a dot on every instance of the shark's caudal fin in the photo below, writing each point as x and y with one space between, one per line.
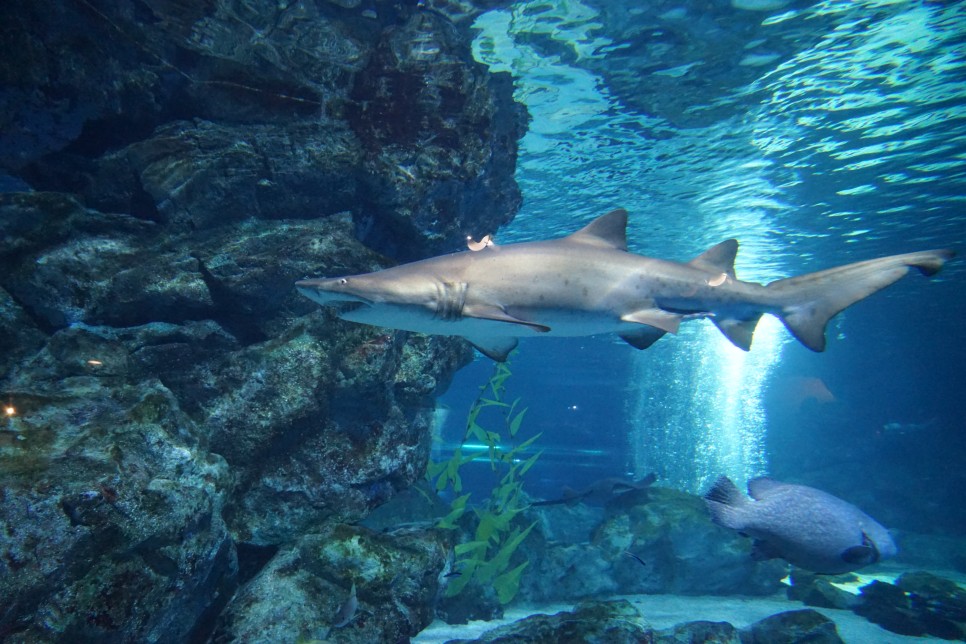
810 301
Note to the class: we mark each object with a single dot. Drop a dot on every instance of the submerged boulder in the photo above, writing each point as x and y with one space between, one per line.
792 627
918 604
675 548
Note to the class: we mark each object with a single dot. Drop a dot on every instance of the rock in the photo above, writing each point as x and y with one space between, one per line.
111 513
888 606
613 622
792 627
700 631
299 592
196 116
474 602
816 590
684 552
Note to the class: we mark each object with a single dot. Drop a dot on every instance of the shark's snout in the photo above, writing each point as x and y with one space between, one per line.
329 291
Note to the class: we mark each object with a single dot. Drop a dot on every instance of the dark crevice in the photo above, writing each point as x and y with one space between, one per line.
230 310
38 320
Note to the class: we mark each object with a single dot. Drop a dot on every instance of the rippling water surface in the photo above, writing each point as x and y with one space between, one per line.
815 133
832 128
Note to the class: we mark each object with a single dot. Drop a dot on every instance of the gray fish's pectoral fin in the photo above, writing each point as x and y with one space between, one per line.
658 318
497 314
494 348
739 332
860 555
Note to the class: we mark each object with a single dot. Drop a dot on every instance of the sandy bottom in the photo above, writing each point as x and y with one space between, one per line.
664 611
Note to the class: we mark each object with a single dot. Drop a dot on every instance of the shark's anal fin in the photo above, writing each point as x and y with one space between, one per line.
494 348
739 332
497 314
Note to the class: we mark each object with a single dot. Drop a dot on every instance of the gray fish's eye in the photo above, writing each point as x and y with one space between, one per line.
343 281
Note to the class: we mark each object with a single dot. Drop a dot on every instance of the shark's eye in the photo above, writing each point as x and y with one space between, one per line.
343 281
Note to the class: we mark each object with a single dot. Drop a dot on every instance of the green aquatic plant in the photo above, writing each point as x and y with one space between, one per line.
486 558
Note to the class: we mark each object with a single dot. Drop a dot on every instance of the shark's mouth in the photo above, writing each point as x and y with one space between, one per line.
347 306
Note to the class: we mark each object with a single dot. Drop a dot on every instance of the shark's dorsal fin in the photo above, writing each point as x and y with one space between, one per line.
719 258
607 231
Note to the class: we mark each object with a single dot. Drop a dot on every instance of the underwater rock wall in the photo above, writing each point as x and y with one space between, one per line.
177 412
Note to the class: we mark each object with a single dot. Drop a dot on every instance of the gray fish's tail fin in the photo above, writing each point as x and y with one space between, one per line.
725 503
810 301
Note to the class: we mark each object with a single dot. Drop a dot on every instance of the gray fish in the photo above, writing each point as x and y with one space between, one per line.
806 527
347 612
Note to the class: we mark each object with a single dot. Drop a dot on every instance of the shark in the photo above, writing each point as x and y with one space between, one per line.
601 492
588 283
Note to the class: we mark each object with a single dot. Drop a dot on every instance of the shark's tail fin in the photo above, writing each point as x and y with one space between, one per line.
810 301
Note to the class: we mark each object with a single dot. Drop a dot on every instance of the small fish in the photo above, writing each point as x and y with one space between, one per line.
455 573
806 527
635 557
348 610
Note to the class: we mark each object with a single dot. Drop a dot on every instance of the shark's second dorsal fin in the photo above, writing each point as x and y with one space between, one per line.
607 231
719 258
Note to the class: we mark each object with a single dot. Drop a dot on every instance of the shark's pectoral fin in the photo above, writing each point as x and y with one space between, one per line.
667 322
494 348
643 338
739 332
497 314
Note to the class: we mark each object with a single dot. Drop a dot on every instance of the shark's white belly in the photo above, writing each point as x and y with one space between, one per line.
560 323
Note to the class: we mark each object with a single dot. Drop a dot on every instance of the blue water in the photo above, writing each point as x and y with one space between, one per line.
818 134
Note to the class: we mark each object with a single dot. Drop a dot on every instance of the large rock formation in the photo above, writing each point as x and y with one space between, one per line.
177 413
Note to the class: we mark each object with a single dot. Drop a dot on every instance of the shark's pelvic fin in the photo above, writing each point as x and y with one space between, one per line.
810 301
663 320
719 258
643 338
494 348
607 231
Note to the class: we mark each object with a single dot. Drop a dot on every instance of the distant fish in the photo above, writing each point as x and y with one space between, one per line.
634 557
600 492
804 526
455 573
347 612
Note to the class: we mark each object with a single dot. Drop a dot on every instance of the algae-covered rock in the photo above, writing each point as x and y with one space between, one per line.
613 622
300 592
